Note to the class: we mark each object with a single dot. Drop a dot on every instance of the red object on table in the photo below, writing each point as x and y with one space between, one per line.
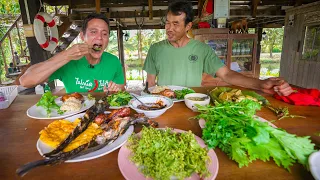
203 25
303 97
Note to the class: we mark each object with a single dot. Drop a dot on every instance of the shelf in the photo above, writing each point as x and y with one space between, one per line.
242 56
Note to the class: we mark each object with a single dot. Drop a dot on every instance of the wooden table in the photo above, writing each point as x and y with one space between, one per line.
19 135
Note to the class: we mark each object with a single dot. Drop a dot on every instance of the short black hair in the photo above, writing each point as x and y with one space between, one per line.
94 16
181 6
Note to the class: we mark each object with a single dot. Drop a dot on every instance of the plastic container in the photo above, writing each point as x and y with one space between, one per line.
10 93
39 89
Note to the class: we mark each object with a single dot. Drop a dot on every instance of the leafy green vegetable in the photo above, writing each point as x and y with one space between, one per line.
181 93
161 154
120 98
47 101
233 128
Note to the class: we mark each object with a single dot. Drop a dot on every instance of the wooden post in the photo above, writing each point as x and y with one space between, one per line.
98 6
37 54
150 2
121 51
254 7
258 30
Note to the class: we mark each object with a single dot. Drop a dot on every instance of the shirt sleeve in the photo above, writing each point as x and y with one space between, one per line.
58 74
119 76
212 62
149 64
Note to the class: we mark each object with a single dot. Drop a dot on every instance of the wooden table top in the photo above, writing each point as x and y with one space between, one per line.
19 134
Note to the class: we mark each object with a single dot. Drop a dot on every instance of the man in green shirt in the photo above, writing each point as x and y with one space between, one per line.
84 67
179 60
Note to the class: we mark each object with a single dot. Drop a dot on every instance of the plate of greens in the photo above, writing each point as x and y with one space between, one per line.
167 154
178 91
48 107
119 100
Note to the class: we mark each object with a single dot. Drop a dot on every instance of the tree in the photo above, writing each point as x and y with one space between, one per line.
274 39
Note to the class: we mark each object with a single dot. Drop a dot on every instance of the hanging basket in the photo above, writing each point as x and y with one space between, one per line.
38 24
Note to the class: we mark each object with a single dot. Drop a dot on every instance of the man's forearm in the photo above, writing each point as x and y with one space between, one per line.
40 72
241 80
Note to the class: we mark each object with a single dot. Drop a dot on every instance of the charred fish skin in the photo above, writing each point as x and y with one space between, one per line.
115 128
89 116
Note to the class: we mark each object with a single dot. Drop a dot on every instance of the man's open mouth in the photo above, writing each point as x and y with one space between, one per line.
97 47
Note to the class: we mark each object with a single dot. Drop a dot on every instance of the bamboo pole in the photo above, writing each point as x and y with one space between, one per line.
10 42
4 59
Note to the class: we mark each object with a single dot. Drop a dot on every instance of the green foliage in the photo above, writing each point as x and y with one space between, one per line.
9 7
233 128
273 41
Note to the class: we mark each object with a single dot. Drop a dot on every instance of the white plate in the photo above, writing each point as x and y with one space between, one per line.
43 148
118 107
202 122
172 88
130 171
314 163
39 112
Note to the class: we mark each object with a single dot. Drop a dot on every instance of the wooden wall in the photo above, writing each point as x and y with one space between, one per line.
293 68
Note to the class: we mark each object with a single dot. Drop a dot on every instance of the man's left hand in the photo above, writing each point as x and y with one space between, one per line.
276 85
112 87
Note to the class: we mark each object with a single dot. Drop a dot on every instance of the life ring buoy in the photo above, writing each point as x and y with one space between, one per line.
38 24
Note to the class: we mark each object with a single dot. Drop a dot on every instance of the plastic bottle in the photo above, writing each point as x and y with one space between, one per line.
39 89
46 87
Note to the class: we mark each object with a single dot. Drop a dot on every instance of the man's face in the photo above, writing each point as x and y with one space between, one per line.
96 35
175 26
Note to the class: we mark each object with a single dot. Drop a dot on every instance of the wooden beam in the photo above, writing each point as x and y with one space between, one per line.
254 7
150 2
98 6
135 27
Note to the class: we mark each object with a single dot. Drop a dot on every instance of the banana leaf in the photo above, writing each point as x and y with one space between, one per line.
214 94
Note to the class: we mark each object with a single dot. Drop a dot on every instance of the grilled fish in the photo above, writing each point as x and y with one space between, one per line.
89 116
111 132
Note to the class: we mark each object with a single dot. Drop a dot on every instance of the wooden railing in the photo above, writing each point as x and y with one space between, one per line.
14 67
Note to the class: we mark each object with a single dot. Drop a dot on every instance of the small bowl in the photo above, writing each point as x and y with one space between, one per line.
314 164
133 103
191 103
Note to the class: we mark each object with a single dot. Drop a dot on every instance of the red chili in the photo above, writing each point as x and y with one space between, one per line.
95 86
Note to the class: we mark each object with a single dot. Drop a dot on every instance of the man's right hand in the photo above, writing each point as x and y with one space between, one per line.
77 51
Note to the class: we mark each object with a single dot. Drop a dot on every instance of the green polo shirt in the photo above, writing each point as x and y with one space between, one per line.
181 66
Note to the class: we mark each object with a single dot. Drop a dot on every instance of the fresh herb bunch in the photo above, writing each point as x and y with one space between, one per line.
233 128
181 93
47 101
120 98
162 154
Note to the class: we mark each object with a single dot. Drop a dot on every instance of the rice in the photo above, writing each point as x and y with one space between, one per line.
71 104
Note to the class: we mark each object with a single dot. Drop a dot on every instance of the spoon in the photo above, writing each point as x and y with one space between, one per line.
140 101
